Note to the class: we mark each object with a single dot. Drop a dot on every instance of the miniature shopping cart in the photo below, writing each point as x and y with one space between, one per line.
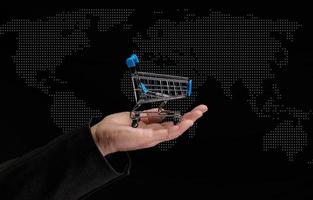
151 87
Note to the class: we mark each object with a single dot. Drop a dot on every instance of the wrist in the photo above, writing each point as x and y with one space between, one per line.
103 148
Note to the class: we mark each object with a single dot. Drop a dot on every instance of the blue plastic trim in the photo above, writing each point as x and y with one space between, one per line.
189 91
130 62
143 88
135 58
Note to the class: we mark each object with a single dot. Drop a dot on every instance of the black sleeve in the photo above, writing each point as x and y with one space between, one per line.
69 167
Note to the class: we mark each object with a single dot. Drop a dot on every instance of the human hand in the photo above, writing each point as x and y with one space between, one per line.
114 133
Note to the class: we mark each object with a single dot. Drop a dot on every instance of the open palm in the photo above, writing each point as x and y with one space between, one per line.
114 132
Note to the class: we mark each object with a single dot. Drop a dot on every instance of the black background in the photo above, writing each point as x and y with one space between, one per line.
225 158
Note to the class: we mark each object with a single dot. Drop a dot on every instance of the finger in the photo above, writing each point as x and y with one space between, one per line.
203 108
192 115
184 125
196 113
177 130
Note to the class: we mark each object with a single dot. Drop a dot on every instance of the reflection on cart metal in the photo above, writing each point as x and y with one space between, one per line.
151 87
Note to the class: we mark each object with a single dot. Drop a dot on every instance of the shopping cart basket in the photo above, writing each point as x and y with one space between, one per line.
151 87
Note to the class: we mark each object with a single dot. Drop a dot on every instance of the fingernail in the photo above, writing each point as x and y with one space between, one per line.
206 108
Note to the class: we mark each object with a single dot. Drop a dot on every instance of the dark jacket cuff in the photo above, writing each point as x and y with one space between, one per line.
91 170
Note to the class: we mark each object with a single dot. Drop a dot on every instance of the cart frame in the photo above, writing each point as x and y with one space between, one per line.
152 87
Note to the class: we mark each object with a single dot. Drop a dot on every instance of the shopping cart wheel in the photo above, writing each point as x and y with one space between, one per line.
135 120
176 118
135 123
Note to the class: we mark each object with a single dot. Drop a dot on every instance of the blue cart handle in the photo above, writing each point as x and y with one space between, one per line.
189 88
132 61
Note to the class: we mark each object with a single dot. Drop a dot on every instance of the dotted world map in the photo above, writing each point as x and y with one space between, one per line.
229 49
